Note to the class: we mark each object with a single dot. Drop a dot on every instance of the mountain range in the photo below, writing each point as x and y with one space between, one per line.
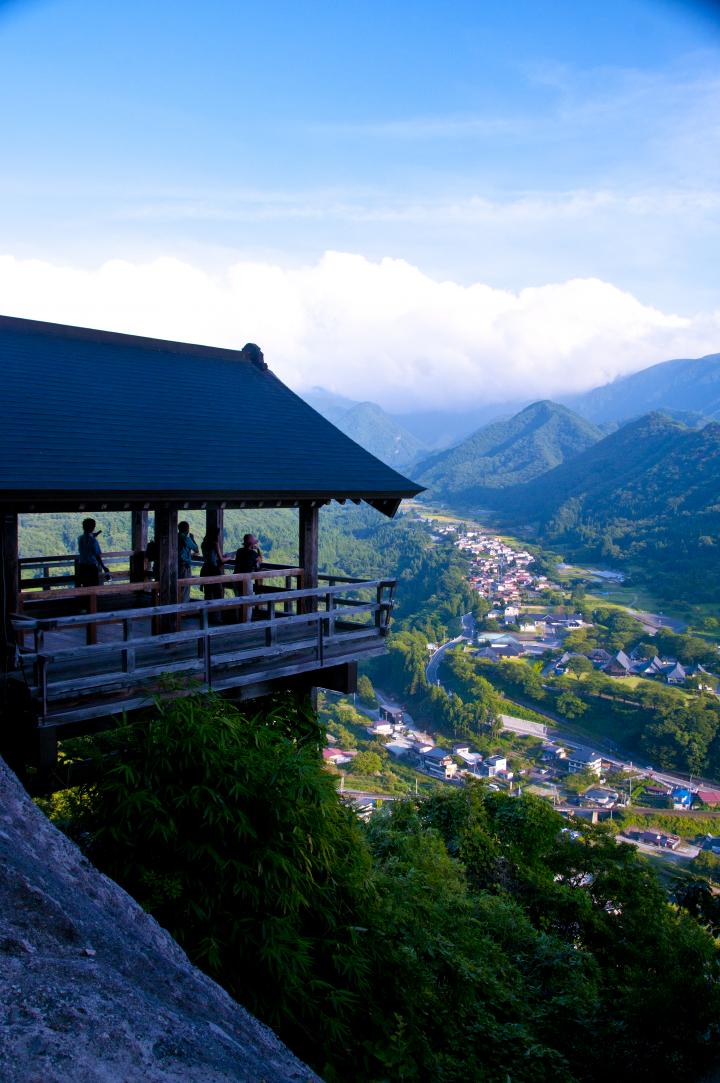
690 387
610 480
647 494
506 453
688 390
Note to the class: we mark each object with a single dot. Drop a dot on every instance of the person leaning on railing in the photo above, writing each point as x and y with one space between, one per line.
213 564
248 558
90 562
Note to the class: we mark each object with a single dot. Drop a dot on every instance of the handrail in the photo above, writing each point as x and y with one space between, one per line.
190 608
118 646
70 558
154 584
327 577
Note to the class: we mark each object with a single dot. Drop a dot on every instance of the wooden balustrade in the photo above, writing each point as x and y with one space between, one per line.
290 632
90 595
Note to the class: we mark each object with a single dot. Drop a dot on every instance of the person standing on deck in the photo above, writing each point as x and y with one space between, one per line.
89 561
213 564
187 548
248 558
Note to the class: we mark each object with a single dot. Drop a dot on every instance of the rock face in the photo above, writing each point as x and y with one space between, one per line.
94 991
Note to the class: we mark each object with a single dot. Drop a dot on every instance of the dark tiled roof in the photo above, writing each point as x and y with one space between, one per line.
86 411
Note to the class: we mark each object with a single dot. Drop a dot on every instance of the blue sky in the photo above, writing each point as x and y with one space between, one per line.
449 158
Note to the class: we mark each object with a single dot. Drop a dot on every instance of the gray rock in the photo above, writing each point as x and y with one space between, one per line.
93 990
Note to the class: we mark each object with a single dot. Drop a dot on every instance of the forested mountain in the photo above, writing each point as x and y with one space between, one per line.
688 386
328 403
648 494
369 425
506 453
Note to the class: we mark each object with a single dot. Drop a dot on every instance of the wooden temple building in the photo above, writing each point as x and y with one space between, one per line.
94 422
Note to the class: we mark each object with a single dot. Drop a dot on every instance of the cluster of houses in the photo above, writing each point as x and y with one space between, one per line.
401 740
621 664
545 629
498 572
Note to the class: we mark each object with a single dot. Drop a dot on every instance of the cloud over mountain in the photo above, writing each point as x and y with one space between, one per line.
373 329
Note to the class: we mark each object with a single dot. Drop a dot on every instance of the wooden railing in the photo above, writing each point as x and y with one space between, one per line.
89 596
289 632
35 583
45 565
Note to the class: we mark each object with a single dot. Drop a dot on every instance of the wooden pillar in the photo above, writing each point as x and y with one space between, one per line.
166 536
138 544
215 517
309 521
9 578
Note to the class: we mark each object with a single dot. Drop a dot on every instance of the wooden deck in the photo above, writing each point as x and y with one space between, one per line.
84 666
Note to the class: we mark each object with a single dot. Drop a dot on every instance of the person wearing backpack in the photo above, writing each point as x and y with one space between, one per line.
187 548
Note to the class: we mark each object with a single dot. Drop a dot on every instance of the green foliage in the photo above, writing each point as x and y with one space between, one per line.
707 864
688 649
570 706
645 496
459 937
366 763
578 781
580 665
507 453
366 692
228 830
688 827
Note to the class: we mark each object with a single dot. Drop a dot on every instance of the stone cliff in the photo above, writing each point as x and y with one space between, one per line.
93 990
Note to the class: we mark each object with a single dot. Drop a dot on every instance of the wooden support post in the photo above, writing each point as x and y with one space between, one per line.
92 629
166 536
46 751
215 517
138 544
128 653
309 521
330 608
9 581
244 587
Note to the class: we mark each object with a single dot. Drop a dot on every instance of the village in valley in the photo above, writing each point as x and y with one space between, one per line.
529 624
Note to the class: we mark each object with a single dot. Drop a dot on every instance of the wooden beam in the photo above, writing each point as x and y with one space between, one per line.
9 579
166 536
138 544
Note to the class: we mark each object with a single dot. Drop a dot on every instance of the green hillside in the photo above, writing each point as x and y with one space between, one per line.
647 495
368 425
507 453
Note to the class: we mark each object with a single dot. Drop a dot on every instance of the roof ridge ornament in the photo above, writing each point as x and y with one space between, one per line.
252 353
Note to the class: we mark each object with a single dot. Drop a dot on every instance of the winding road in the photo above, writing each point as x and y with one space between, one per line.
433 667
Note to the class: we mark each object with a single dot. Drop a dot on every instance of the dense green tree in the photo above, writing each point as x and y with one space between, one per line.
366 763
460 937
580 665
570 706
366 692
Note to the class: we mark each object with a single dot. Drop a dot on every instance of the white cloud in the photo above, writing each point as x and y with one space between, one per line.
373 330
